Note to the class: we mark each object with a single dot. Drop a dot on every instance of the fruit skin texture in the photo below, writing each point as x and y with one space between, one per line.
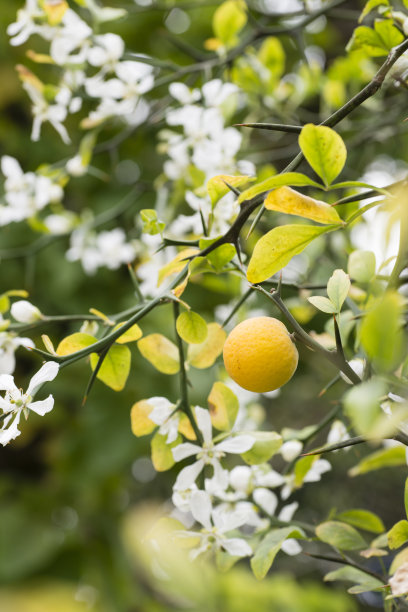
260 355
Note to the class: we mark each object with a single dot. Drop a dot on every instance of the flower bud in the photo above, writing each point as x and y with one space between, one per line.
25 312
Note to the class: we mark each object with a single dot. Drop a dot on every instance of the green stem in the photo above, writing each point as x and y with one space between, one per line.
184 403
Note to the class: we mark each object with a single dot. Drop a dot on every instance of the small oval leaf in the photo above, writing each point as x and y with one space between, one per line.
291 202
223 405
161 353
324 149
115 368
204 355
191 327
340 535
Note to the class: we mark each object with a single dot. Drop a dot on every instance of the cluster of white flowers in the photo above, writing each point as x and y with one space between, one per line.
108 248
222 500
15 402
207 144
78 51
25 194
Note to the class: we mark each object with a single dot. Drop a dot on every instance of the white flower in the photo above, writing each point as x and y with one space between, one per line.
75 166
95 250
216 523
338 433
9 343
357 365
15 401
72 34
163 414
25 312
209 453
291 449
106 51
25 193
291 546
25 26
319 467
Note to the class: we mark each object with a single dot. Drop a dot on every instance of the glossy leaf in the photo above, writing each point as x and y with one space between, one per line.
162 457
191 327
217 187
161 352
267 444
398 534
291 202
338 288
223 405
275 250
362 519
340 535
204 355
115 367
324 149
386 457
139 418
295 179
269 547
322 303
74 342
131 335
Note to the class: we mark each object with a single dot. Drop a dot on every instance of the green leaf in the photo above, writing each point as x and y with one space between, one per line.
139 418
295 179
74 342
217 187
151 223
363 519
338 288
340 535
272 55
398 534
370 6
361 266
161 353
302 467
133 334
274 250
381 334
176 265
269 547
229 19
376 42
223 405
191 327
115 368
162 457
387 457
365 582
324 149
203 355
362 404
220 256
267 443
291 202
322 303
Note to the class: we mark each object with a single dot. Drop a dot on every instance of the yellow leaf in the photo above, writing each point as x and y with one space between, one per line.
217 187
161 353
291 202
162 457
139 418
131 335
223 405
101 315
185 427
176 265
74 342
204 355
115 368
48 344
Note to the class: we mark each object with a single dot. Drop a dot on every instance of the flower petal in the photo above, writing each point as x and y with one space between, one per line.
43 406
291 547
188 475
288 511
48 372
6 435
237 444
266 500
7 383
201 508
204 423
236 547
187 449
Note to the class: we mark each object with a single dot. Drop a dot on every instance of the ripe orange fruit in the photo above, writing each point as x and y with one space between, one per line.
259 354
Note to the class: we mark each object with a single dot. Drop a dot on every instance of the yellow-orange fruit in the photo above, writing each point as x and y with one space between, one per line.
260 355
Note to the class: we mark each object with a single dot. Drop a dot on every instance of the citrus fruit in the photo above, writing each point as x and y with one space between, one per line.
260 355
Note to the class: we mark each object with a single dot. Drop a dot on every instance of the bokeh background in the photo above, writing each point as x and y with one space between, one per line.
77 488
